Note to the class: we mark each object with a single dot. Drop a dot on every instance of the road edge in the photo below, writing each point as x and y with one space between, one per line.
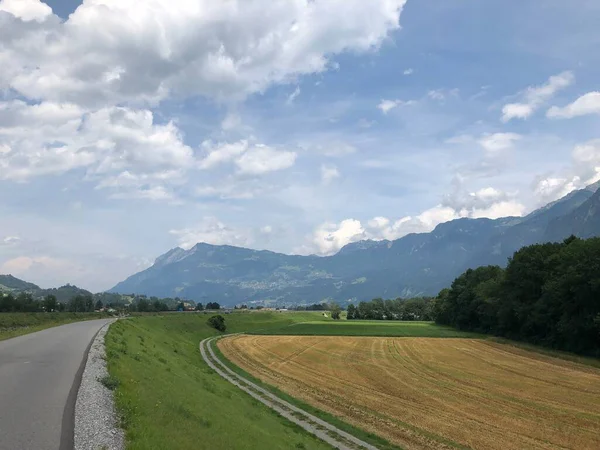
96 418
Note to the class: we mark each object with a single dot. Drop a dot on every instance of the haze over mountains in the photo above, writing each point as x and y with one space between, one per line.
414 265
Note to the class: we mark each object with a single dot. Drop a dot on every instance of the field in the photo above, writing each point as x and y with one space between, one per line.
170 399
17 324
432 393
367 328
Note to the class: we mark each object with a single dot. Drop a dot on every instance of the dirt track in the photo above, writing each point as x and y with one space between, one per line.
332 435
431 393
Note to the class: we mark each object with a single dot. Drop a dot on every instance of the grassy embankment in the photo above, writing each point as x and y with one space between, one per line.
17 324
170 399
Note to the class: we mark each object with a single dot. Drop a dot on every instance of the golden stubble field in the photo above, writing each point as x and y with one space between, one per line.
433 393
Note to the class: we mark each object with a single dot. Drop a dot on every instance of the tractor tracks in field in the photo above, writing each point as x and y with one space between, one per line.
323 430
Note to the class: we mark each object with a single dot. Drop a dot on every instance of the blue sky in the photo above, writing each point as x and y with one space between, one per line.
129 128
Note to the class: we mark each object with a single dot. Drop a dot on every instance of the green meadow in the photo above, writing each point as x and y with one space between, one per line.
170 399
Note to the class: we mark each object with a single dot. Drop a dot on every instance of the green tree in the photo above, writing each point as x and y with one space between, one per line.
335 310
351 312
217 322
99 305
50 303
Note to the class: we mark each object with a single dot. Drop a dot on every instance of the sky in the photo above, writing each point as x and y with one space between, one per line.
128 128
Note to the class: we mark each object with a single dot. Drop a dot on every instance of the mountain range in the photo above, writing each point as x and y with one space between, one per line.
414 265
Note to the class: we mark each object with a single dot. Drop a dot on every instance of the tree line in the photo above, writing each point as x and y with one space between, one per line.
549 294
26 302
396 309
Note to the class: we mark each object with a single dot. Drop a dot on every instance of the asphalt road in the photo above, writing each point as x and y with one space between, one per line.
39 378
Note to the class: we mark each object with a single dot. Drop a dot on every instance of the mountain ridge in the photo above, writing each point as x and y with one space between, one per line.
416 264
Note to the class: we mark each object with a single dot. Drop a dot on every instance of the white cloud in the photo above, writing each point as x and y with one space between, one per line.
150 193
261 159
222 152
552 188
330 237
109 52
586 104
387 105
408 72
536 97
26 10
584 170
293 95
329 173
10 240
36 267
117 146
497 142
500 209
212 231
437 94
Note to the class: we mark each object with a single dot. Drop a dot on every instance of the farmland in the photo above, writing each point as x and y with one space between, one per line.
428 392
366 328
169 398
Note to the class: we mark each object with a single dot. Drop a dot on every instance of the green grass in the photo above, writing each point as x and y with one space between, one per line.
371 438
368 328
170 399
18 324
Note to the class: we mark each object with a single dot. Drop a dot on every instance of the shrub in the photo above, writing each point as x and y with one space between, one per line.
217 322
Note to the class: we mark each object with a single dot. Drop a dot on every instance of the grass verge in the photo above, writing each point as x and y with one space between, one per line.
18 324
169 398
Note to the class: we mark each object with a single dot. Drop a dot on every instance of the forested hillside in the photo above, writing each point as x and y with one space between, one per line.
549 294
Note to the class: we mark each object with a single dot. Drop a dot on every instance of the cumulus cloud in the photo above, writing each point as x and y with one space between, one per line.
329 173
408 72
261 159
586 104
535 97
26 10
488 202
584 171
212 231
116 146
497 142
387 105
329 237
86 83
111 51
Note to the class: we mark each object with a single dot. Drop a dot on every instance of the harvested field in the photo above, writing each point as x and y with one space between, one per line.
368 328
433 393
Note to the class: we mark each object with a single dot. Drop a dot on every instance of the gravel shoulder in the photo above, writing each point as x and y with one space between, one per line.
96 420
325 431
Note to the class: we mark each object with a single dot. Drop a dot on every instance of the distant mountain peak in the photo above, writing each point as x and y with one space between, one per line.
171 256
593 187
